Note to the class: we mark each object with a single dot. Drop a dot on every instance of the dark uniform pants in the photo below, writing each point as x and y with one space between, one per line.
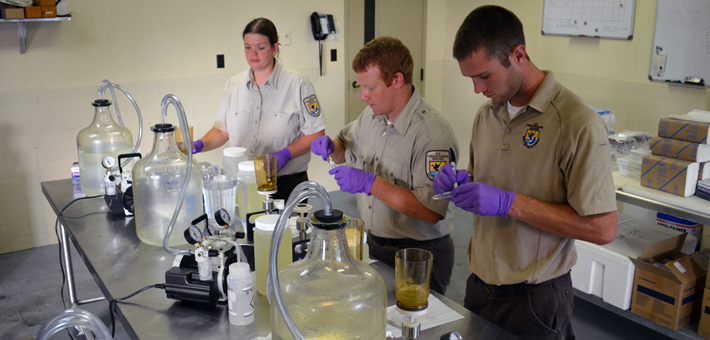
384 249
530 311
285 184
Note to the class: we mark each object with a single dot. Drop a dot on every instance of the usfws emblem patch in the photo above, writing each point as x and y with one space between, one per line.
312 105
435 159
532 135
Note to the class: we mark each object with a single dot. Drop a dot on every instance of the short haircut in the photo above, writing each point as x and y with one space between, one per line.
264 27
387 53
494 28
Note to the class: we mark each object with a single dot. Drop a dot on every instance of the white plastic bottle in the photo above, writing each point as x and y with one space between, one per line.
232 156
263 231
240 294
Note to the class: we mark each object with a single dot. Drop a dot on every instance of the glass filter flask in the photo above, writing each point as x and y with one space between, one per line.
329 294
157 182
103 137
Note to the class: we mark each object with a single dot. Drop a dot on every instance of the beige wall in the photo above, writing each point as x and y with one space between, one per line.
45 94
151 48
606 73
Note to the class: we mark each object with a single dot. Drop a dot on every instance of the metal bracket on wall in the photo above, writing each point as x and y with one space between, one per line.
22 28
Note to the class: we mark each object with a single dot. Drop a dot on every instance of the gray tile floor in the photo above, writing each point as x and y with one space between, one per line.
31 280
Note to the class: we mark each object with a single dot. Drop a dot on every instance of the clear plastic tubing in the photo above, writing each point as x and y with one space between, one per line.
301 192
102 89
184 127
74 318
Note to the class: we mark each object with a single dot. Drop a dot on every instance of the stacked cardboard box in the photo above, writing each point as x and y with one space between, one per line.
668 285
677 156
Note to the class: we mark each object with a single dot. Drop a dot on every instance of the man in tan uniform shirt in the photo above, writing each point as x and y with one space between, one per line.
392 153
540 178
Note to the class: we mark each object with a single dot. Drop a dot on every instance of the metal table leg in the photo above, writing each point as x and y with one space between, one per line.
69 271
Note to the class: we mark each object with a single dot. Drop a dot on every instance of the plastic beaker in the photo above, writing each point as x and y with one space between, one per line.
220 192
412 267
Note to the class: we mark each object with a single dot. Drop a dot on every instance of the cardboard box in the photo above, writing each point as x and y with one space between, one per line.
671 175
43 3
607 271
13 13
33 12
704 325
680 149
668 285
684 130
49 11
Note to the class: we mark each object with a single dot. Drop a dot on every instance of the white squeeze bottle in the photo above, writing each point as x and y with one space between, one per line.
240 294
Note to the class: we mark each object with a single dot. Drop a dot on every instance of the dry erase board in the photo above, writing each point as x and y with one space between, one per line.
589 18
681 42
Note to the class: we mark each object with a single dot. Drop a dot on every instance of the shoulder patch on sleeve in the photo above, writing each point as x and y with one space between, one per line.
435 159
312 105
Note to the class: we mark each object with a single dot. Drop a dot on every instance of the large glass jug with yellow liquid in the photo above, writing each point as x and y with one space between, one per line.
329 294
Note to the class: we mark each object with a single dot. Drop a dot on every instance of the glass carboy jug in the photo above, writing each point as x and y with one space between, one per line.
103 137
329 294
157 182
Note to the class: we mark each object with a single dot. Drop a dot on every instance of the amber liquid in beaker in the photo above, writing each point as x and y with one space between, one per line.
265 166
412 273
413 296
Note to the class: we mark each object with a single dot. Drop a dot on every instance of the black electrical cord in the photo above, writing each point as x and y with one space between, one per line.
112 304
59 242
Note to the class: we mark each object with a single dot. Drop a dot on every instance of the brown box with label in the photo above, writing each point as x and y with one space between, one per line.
49 11
33 12
668 284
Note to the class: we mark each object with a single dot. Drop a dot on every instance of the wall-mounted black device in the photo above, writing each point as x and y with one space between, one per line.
321 26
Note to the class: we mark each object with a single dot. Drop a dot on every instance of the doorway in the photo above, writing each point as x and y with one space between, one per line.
402 19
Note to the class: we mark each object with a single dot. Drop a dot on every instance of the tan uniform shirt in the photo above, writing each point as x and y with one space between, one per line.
555 150
268 119
407 153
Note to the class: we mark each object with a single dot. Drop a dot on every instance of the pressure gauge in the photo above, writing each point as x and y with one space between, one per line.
108 162
222 217
193 234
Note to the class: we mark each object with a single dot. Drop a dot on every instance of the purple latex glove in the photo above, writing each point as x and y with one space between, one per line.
445 179
353 180
282 157
197 146
483 199
322 146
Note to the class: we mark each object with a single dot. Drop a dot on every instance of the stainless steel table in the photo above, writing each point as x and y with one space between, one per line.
121 264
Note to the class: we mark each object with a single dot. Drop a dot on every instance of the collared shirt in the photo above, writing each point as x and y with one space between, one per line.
268 119
406 153
555 150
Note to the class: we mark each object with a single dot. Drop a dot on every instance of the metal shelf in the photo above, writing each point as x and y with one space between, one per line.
22 27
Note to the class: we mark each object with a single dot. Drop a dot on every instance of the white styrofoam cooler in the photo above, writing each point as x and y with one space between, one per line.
607 272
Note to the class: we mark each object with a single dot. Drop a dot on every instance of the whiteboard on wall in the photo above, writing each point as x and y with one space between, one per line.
681 42
589 18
